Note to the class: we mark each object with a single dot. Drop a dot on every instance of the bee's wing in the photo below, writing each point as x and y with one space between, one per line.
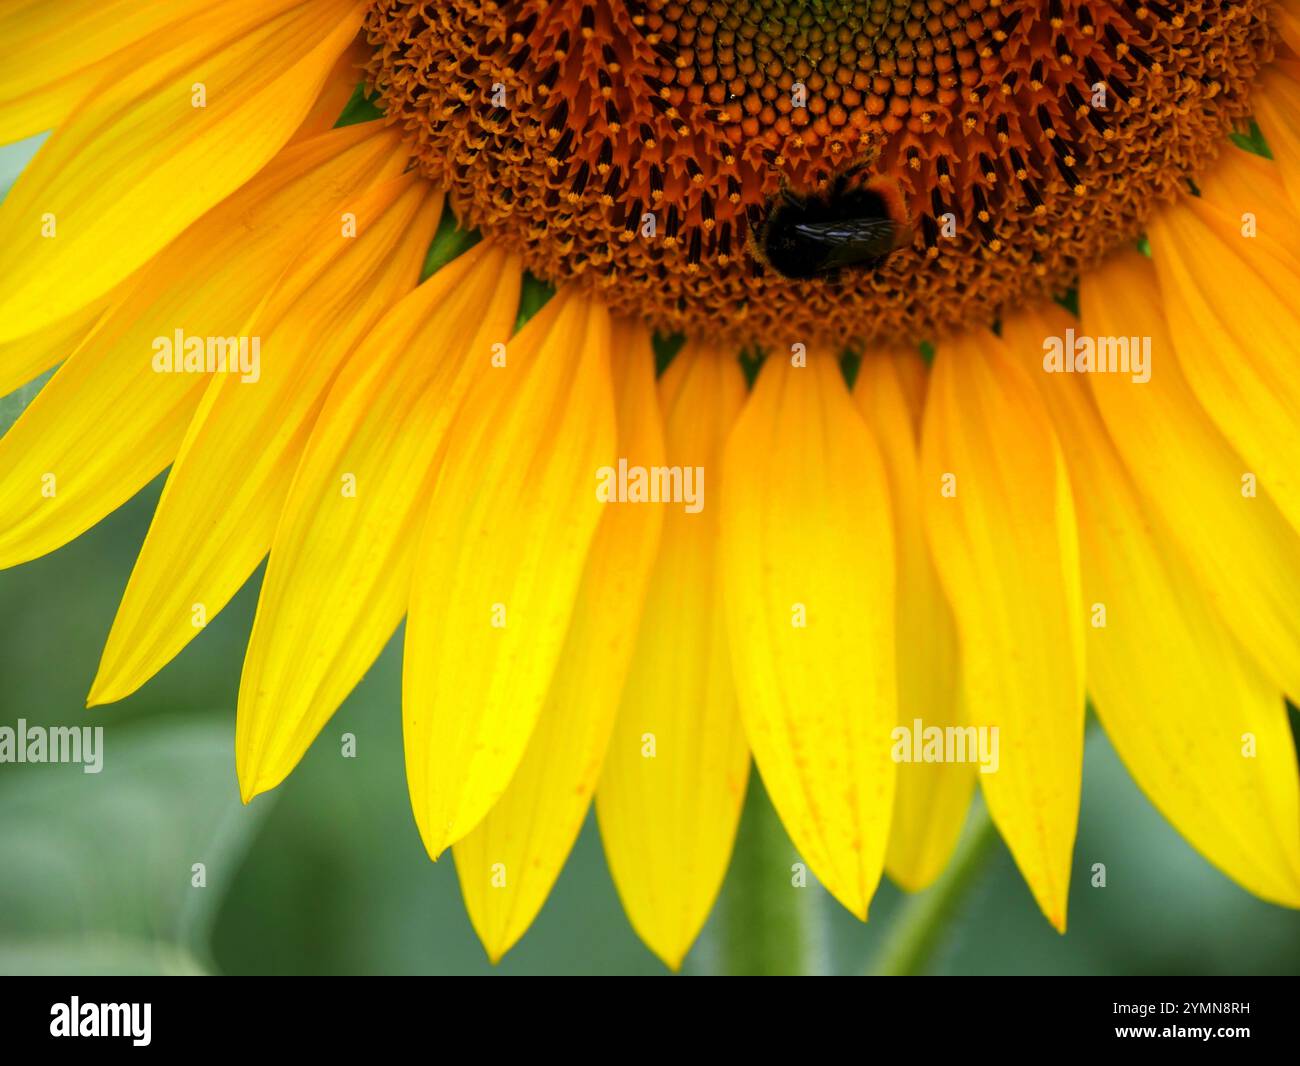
851 240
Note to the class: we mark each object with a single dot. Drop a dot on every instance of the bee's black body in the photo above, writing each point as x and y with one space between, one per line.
818 236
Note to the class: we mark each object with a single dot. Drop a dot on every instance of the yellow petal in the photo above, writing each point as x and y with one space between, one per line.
107 423
1201 730
216 517
508 864
339 575
52 55
1249 188
499 563
27 358
670 795
1277 108
931 800
1288 17
1245 555
138 161
340 84
1230 304
808 564
998 513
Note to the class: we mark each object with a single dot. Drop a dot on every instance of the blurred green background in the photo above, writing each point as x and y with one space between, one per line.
328 875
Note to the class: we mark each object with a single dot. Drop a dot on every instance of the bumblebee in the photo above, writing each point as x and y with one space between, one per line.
817 236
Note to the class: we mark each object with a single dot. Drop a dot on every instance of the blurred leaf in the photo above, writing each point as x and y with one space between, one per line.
98 956
360 108
16 402
532 298
1252 140
99 867
449 242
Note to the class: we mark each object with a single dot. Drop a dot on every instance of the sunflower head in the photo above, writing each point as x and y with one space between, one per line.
792 567
642 148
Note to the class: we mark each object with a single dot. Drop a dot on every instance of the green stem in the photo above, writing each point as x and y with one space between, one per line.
769 924
920 928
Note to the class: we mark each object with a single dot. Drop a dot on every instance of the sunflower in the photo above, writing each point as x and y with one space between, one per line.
1017 429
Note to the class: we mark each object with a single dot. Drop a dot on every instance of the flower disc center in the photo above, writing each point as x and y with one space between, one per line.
934 160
